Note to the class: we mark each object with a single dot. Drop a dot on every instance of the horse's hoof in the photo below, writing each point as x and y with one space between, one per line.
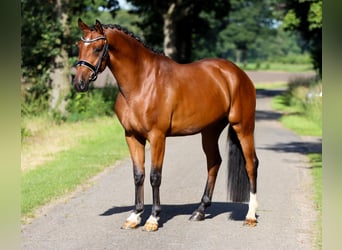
129 225
250 222
150 226
197 216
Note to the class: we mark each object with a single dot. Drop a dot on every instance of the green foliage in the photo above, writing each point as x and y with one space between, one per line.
302 104
250 33
187 22
24 132
290 19
316 163
305 17
35 97
128 20
247 20
315 15
42 33
92 104
81 106
49 31
41 36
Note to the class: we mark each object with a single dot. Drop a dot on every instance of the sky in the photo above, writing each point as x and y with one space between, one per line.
124 4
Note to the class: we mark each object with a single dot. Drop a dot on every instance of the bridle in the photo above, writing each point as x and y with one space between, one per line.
94 69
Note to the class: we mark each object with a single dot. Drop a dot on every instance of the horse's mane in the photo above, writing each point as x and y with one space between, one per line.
131 34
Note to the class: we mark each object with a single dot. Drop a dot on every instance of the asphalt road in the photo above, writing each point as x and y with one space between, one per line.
91 217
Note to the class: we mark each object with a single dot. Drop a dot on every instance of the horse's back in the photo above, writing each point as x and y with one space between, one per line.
240 89
203 93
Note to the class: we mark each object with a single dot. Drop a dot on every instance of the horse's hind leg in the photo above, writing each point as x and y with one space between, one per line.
246 138
210 138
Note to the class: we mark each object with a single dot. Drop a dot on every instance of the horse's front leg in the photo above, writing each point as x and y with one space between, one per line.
157 143
136 147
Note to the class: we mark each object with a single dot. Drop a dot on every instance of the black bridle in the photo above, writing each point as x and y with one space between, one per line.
94 69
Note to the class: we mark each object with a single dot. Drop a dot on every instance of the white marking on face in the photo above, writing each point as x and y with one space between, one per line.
86 44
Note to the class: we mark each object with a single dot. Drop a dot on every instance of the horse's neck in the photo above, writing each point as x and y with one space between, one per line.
130 62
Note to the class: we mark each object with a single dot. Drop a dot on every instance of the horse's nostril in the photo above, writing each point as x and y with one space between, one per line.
82 85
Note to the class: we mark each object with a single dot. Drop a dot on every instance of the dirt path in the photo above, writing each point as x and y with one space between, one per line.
91 219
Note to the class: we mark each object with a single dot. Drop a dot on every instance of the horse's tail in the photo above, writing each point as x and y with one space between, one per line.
238 183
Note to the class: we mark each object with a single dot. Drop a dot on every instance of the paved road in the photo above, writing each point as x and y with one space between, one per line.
277 76
91 218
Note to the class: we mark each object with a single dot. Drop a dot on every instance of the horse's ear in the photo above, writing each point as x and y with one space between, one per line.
98 27
83 26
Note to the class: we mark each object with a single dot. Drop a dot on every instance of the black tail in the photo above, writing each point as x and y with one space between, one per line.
238 183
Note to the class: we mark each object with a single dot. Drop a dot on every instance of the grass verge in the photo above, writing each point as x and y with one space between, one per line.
316 163
302 106
67 169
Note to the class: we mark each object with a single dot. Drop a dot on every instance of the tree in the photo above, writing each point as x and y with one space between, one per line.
180 20
48 37
305 16
248 20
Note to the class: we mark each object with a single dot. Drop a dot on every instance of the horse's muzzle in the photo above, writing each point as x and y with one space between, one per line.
81 86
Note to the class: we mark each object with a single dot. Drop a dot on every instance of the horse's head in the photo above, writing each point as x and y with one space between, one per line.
93 55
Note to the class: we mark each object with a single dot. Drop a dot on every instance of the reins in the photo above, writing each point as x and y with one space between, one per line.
94 69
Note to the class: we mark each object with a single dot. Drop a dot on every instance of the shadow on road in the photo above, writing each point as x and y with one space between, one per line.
297 147
264 93
267 115
237 211
291 147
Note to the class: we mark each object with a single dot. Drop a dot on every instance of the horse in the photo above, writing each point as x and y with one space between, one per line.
159 98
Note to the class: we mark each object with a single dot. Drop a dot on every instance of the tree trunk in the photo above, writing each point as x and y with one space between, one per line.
244 57
60 83
170 48
60 74
237 56
177 32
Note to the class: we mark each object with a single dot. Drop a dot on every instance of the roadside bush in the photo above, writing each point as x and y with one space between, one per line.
94 103
293 58
81 106
34 98
306 95
97 102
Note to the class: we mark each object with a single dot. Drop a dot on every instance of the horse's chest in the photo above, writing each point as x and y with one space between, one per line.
134 119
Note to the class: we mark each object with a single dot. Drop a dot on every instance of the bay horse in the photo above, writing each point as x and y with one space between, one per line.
159 98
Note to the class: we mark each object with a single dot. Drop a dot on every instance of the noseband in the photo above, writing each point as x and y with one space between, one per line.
94 69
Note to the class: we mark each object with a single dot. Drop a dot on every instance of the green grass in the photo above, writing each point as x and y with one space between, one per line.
71 168
316 163
304 117
301 125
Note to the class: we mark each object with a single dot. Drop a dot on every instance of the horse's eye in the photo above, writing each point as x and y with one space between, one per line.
98 49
